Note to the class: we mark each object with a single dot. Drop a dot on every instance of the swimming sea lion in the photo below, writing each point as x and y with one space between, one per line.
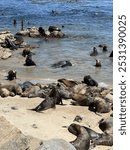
29 61
94 52
103 46
98 63
82 142
11 75
62 64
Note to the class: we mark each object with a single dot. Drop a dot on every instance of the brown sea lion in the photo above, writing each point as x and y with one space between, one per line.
5 93
82 142
68 83
13 88
95 137
106 125
100 105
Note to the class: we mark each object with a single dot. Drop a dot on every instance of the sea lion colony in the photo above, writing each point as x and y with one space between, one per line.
83 93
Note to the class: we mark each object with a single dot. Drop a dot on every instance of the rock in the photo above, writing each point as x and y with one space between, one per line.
56 144
12 138
109 98
5 53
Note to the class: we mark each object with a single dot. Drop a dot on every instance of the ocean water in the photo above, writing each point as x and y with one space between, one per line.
87 23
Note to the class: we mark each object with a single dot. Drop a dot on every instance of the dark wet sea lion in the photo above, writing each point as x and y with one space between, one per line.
94 52
53 28
82 142
11 75
89 81
103 46
29 61
50 101
41 31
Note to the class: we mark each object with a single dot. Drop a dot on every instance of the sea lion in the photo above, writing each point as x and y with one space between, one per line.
89 81
103 46
64 91
31 92
53 28
26 52
95 137
5 93
106 125
41 31
14 88
11 75
10 44
50 101
100 105
68 83
82 142
18 40
26 85
29 61
98 63
94 52
62 64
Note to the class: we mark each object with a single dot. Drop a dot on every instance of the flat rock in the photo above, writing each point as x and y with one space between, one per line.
56 144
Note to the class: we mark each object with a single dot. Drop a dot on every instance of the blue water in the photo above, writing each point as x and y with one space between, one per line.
87 23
